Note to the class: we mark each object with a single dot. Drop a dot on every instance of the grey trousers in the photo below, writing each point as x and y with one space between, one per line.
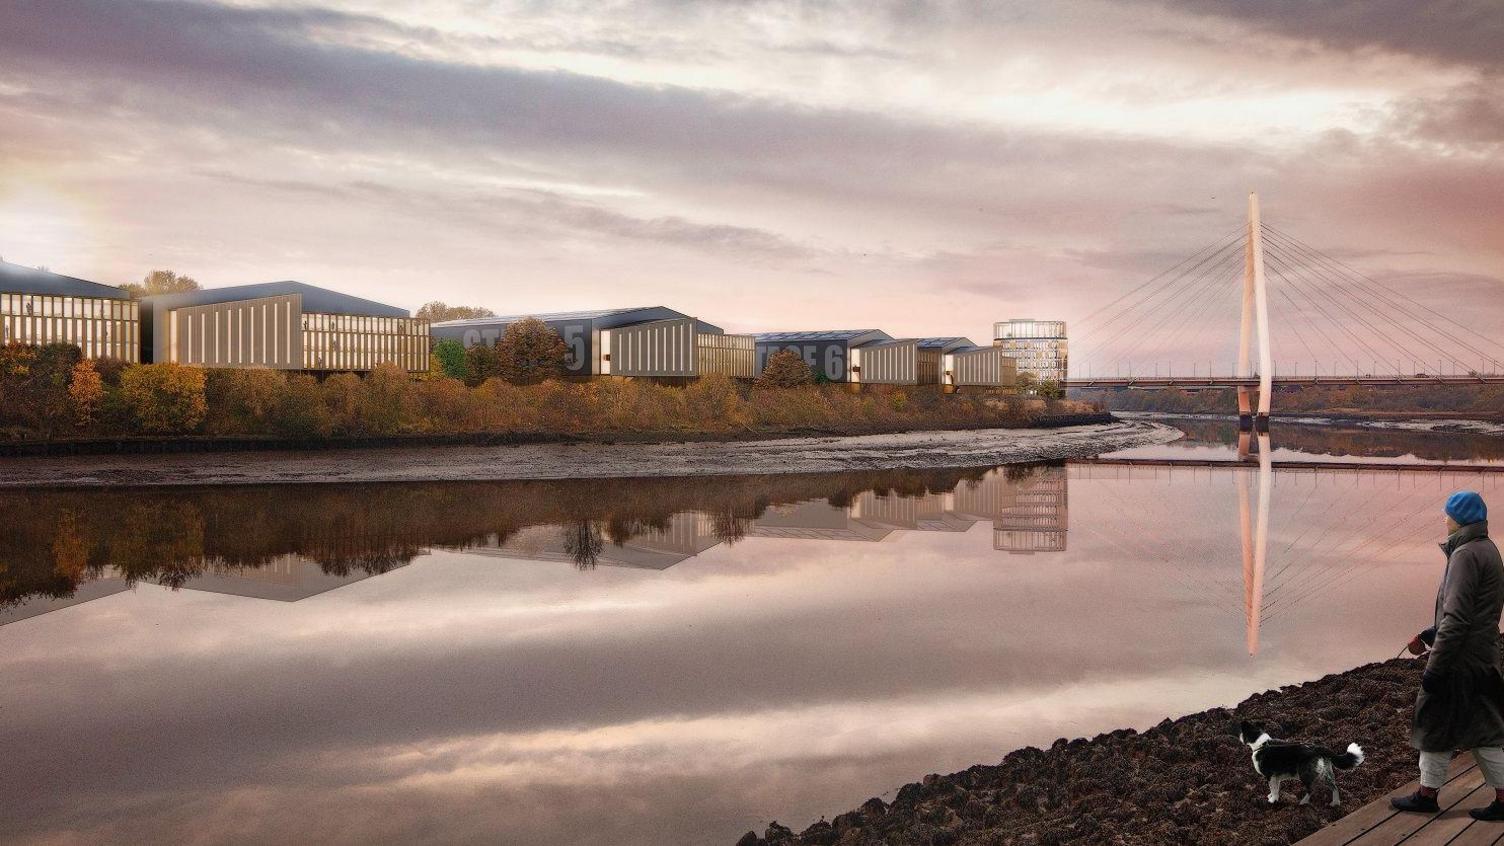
1433 767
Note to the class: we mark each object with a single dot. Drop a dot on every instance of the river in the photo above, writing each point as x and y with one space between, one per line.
666 660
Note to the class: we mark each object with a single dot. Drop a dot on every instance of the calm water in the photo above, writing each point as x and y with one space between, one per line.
664 661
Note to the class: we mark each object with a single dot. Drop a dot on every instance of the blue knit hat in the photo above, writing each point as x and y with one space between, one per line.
1466 507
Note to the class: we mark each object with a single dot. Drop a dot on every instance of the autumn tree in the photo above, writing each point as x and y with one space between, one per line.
164 398
34 386
437 311
481 363
384 399
300 411
530 351
785 369
85 392
160 282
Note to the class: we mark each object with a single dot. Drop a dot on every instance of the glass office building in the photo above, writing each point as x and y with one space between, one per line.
1038 345
39 307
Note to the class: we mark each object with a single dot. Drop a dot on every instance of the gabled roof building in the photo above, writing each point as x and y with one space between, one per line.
41 307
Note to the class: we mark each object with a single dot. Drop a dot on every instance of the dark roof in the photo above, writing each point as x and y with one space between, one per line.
315 299
944 343
555 315
16 279
606 318
818 335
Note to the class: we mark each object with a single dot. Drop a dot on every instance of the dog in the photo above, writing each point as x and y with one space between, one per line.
1281 760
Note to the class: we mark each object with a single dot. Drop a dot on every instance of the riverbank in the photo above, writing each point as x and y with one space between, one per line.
1187 780
909 450
150 445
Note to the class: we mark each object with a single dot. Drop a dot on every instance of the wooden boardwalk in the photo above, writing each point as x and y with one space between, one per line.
1375 824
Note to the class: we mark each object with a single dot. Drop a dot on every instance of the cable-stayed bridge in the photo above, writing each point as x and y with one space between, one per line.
1337 326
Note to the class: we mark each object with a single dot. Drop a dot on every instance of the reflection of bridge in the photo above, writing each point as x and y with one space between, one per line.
1399 506
1347 328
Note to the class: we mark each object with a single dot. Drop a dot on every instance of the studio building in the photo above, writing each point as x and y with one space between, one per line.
38 307
651 342
281 326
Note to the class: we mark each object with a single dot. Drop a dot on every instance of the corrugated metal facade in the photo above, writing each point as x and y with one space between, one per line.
895 363
662 348
262 332
989 367
730 355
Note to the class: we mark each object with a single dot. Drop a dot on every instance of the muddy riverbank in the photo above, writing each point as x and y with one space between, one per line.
908 450
1182 781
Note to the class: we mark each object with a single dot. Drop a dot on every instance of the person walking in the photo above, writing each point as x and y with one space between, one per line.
1461 702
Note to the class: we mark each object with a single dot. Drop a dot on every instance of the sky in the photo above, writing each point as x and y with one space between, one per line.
922 167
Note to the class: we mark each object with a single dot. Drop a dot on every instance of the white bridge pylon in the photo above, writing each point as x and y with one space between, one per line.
1255 316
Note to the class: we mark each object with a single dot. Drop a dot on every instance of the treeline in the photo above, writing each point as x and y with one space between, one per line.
1480 399
52 392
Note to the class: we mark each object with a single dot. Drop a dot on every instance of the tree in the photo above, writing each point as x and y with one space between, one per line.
85 392
451 357
160 282
785 369
164 398
437 311
481 363
34 385
531 352
383 401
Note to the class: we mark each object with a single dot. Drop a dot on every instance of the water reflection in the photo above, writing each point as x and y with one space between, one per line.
739 648
251 542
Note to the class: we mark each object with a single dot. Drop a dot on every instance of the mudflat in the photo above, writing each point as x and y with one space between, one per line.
908 450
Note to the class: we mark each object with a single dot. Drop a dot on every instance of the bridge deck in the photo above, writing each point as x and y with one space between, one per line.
1375 824
1212 382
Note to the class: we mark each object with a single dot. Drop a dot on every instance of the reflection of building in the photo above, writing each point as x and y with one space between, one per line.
1039 346
1039 517
816 519
651 342
40 307
686 535
283 326
86 592
288 578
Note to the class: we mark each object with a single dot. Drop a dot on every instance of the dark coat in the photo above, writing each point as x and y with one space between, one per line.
1467 711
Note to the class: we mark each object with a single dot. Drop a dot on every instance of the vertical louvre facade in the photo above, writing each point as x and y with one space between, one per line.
730 355
895 363
260 332
101 327
989 367
361 342
663 348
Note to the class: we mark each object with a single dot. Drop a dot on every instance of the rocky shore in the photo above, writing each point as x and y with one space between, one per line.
1184 781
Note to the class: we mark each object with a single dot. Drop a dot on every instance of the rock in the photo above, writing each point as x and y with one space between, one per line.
777 833
750 839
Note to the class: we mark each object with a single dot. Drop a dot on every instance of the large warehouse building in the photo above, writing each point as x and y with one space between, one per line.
649 342
827 351
872 357
283 326
40 307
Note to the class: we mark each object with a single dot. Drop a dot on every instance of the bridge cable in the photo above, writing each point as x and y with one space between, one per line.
1390 290
1342 285
1276 264
1242 230
1372 289
1197 294
1216 257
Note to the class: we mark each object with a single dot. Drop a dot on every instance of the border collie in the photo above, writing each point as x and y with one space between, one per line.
1280 760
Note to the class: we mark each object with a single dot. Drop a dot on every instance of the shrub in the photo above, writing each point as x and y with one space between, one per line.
383 399
530 353
85 392
302 411
242 401
452 360
785 369
481 363
342 398
713 401
164 398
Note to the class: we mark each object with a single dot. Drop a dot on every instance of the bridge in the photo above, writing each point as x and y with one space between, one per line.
1343 327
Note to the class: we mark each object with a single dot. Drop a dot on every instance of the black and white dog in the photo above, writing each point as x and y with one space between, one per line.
1279 760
